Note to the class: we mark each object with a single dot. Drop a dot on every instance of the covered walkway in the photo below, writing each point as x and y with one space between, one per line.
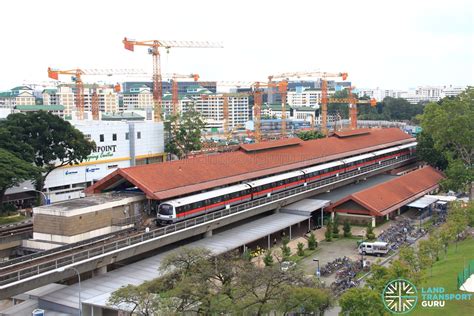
96 291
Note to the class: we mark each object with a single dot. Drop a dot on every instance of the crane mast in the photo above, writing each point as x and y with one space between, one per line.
154 50
79 84
324 89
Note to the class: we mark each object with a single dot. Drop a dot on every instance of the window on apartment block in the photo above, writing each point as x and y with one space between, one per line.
101 138
127 137
114 137
139 135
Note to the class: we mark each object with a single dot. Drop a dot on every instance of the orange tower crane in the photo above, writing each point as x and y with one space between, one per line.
79 84
174 88
257 107
225 103
154 50
324 88
95 99
352 101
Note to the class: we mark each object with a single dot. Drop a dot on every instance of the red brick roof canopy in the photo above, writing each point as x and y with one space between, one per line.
271 144
387 197
351 133
175 178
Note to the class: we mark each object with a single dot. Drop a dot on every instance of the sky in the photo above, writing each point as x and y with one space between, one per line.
388 44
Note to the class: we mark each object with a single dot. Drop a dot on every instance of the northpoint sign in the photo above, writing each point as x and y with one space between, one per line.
101 152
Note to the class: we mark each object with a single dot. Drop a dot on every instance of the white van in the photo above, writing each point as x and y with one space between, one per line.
378 248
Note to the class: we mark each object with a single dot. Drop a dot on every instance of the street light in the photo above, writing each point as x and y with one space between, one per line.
318 272
46 200
62 269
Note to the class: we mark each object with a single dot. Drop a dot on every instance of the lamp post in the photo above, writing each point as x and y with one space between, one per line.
318 272
45 197
62 269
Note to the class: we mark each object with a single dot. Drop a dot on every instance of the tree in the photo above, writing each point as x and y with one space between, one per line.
457 220
408 256
312 243
309 135
305 300
450 124
20 149
184 131
399 109
138 300
55 142
268 258
361 302
458 176
285 249
424 255
13 171
370 235
426 151
300 251
335 227
378 278
446 235
347 229
435 246
328 233
262 290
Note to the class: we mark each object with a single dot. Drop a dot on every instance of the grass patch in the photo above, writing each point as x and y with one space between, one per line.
307 253
11 219
444 275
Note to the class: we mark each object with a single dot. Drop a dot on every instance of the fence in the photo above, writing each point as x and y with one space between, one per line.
465 273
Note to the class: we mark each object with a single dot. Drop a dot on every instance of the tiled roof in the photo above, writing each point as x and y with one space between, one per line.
179 177
386 197
356 132
271 144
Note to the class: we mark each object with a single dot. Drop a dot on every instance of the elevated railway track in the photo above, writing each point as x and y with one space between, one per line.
29 272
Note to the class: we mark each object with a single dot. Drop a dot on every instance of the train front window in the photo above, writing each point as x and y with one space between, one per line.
165 209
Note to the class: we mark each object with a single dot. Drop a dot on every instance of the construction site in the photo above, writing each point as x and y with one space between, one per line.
256 101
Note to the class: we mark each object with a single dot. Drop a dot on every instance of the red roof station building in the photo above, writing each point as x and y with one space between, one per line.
388 198
172 179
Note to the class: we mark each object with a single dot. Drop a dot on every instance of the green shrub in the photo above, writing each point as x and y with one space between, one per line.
370 232
300 251
347 229
285 250
328 233
312 243
268 258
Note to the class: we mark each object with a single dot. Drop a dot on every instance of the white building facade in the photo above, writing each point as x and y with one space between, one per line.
118 145
414 96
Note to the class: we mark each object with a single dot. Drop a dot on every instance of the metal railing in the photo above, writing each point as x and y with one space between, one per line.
39 268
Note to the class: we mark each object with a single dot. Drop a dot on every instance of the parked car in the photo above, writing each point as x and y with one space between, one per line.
286 265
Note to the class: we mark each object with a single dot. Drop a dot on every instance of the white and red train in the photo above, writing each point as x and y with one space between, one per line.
176 210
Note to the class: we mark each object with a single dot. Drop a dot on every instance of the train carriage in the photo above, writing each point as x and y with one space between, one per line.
210 201
267 186
197 204
331 169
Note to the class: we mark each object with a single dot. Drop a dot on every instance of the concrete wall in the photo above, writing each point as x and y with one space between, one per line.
82 223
